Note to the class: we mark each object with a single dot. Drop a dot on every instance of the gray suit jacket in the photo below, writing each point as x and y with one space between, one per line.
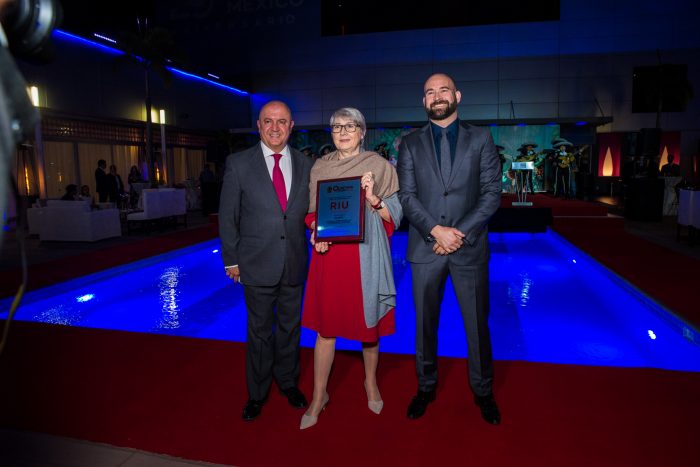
467 201
255 234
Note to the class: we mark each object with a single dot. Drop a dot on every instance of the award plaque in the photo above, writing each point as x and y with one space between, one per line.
340 210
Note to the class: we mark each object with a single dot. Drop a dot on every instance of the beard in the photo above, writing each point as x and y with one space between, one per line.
442 113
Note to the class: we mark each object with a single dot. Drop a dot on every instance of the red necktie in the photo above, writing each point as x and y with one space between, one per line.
278 182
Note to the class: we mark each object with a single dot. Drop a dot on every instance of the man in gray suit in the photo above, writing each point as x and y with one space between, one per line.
264 200
449 188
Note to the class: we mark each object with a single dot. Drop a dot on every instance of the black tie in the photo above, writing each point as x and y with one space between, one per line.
445 158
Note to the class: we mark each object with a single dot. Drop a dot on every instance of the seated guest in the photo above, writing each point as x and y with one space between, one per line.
71 193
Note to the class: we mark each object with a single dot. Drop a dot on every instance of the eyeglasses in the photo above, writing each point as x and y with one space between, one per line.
349 127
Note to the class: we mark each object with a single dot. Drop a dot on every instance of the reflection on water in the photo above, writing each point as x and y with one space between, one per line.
169 298
59 314
525 284
548 303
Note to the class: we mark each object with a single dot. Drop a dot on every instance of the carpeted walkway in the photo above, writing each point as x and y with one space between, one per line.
183 397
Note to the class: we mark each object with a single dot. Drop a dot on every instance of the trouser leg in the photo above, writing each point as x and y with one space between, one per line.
472 289
260 304
286 336
428 290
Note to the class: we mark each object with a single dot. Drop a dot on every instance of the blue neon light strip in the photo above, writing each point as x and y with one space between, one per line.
190 75
72 38
113 51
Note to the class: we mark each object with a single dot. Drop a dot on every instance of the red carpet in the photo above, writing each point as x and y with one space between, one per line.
183 397
559 206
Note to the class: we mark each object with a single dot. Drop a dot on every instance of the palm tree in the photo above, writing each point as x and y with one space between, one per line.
154 50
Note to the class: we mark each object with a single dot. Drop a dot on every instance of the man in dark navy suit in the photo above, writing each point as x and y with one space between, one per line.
450 187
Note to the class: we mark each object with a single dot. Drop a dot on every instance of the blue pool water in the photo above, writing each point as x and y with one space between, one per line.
549 303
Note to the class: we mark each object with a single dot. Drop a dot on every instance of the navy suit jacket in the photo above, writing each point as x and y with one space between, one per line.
467 201
255 234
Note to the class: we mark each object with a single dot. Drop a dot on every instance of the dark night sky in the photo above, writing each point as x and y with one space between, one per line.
85 17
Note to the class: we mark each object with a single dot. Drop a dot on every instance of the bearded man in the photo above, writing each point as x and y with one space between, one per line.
449 183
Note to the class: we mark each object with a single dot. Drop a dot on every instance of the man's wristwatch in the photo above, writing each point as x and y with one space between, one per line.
379 205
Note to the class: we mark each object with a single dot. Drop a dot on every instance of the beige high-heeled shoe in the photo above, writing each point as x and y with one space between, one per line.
374 406
307 421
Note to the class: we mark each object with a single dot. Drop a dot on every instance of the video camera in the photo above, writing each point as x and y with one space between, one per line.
25 32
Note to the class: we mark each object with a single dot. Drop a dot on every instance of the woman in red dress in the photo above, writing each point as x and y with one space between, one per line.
350 291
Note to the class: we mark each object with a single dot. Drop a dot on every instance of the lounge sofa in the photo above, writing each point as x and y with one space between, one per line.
73 221
159 206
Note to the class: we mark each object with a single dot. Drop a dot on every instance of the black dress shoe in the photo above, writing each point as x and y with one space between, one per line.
252 409
295 397
489 409
419 403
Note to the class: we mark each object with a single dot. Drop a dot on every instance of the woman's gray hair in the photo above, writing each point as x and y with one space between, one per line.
353 114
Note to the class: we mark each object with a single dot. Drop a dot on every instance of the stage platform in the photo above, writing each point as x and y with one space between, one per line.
539 216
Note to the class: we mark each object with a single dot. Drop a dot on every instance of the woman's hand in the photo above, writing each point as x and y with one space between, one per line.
367 184
320 247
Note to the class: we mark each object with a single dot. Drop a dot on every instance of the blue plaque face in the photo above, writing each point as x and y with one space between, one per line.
340 209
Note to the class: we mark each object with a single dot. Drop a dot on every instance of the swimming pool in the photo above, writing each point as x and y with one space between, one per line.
549 303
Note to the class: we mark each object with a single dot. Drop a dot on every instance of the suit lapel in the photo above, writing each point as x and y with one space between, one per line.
296 176
428 148
461 151
260 170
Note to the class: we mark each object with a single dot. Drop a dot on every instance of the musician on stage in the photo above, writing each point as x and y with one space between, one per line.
507 175
528 154
564 169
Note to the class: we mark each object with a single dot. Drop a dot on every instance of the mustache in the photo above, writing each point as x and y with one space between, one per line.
443 101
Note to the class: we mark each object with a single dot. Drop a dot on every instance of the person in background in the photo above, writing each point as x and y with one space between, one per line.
449 188
564 164
351 292
134 177
85 193
116 186
670 169
101 183
382 150
308 151
528 154
71 193
264 201
325 149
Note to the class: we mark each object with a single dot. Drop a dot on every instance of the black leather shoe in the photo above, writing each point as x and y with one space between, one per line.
489 409
252 409
295 397
419 403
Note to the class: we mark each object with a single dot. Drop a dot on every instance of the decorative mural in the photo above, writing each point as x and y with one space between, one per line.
511 138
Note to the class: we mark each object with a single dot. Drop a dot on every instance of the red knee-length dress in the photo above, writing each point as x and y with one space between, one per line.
333 304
